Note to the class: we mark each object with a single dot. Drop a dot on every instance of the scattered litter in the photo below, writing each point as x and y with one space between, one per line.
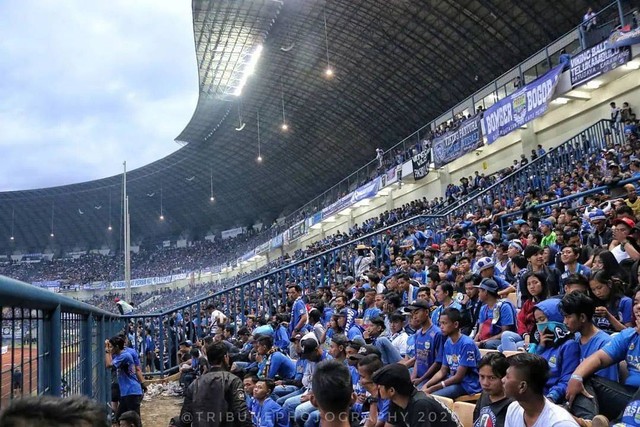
170 389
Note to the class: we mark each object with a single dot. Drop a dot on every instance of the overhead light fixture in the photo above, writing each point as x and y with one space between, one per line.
259 158
161 207
250 68
52 216
241 123
560 100
13 216
632 65
284 126
594 84
329 71
211 198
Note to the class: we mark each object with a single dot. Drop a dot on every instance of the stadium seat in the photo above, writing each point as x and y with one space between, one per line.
469 398
464 411
511 353
484 351
445 401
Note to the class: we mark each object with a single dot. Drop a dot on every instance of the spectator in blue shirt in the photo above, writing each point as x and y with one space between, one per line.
298 310
444 297
558 346
130 387
428 344
611 398
496 316
274 363
375 328
613 309
265 412
458 375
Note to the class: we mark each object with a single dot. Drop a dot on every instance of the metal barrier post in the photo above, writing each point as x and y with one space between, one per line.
161 346
55 357
86 356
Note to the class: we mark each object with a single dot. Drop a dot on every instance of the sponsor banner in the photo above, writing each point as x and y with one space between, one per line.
232 232
277 241
455 144
178 276
420 164
136 283
263 247
95 286
338 206
47 284
285 238
367 191
519 108
599 59
297 230
216 269
624 37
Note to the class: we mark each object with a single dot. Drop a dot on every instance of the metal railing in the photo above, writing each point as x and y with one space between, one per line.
52 344
261 296
538 174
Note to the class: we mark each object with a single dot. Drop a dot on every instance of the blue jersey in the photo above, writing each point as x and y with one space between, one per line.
435 316
488 327
279 365
463 352
354 332
134 355
298 310
427 349
623 314
411 346
149 343
626 346
595 343
563 360
268 414
127 380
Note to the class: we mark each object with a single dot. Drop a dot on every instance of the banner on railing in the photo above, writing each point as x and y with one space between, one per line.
314 219
336 207
178 276
624 37
232 232
519 108
421 164
392 175
216 269
47 284
297 230
277 241
136 283
457 143
366 191
260 249
597 60
248 255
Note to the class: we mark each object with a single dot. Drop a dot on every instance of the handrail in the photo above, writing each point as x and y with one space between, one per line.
14 292
289 266
585 193
531 164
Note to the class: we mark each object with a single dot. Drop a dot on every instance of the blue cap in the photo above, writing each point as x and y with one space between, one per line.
519 221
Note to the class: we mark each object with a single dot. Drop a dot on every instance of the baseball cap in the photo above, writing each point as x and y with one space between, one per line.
626 221
484 263
391 375
434 247
309 343
188 343
546 223
519 221
488 285
366 350
419 304
349 279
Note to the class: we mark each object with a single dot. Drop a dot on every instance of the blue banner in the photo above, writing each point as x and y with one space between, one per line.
620 38
457 143
314 219
366 191
336 207
519 108
276 242
297 230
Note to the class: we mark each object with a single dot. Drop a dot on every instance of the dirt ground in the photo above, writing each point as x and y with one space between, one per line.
158 412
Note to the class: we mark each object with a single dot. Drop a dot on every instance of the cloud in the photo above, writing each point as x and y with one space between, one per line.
88 84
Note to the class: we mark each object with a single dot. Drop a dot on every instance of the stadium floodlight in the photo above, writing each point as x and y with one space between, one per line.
594 84
560 100
250 68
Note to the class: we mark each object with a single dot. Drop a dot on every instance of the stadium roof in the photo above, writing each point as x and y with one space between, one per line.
398 64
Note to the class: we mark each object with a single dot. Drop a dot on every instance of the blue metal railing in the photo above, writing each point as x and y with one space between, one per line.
52 344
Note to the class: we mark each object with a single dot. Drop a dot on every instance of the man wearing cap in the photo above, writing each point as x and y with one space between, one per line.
621 247
410 407
299 406
601 235
364 257
398 334
428 343
486 269
342 319
496 316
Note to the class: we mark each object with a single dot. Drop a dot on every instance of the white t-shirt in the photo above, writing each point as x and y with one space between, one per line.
216 318
552 416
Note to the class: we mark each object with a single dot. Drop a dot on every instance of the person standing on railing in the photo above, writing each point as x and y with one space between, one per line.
589 20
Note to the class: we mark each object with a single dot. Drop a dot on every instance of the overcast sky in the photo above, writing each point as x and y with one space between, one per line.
86 84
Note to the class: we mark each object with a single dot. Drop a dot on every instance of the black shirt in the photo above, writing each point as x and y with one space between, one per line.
489 414
422 411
